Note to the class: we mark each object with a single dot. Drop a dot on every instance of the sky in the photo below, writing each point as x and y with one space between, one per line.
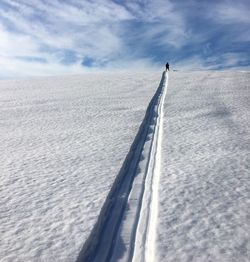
54 37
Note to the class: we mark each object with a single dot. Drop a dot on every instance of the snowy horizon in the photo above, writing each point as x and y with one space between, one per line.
41 38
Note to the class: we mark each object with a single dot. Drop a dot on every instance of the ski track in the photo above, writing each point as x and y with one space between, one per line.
146 230
125 230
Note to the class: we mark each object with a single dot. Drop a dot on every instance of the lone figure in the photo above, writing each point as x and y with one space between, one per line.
167 66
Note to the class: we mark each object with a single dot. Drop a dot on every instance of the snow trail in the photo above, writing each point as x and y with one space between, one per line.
130 212
146 230
153 211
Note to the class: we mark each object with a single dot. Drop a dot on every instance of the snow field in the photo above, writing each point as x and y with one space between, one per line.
179 193
63 141
204 197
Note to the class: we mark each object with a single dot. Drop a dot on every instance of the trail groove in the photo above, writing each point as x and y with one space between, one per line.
126 227
145 243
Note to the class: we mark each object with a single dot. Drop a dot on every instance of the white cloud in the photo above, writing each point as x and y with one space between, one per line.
14 68
13 46
233 18
85 28
16 44
106 32
164 23
228 12
229 60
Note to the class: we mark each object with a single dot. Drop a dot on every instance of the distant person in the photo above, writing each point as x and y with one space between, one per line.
167 66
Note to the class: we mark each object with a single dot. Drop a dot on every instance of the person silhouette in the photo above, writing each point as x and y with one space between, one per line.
167 66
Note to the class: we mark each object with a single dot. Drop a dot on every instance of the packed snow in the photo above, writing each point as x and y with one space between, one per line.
63 141
204 196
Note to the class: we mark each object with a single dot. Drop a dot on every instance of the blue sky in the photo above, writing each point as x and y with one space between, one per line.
42 37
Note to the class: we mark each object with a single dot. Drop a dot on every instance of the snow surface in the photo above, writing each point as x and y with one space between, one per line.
204 197
63 141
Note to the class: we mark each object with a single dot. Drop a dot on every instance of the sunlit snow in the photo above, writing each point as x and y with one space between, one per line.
204 209
63 141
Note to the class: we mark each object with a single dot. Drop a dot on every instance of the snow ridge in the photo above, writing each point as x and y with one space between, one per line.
130 209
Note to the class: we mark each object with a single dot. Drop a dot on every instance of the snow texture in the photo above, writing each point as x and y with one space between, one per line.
63 141
204 198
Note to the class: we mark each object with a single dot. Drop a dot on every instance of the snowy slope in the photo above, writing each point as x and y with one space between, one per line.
63 141
182 193
204 205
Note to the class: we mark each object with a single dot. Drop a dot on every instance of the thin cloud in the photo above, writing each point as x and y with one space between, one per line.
232 12
57 28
